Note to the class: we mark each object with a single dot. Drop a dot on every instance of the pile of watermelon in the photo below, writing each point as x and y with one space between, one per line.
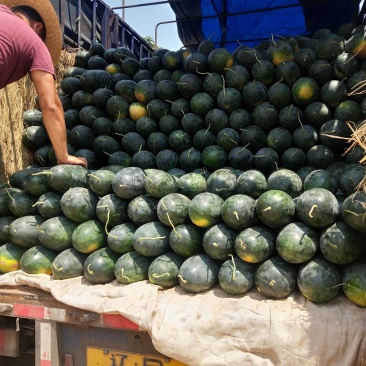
205 168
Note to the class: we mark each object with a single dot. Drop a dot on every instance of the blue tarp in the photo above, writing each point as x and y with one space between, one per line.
229 22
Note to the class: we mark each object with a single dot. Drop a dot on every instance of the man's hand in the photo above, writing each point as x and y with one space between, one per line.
73 160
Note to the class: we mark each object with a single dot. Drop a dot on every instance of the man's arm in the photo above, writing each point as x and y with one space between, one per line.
53 116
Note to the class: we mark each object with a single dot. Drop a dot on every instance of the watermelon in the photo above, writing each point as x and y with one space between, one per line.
186 240
319 280
255 244
24 230
100 181
64 177
112 210
163 270
221 182
266 160
22 204
132 267
341 244
279 139
172 209
120 238
143 209
297 243
37 260
236 277
5 222
56 233
214 157
220 59
252 183
317 207
10 256
285 180
238 211
354 210
89 236
49 204
159 183
79 204
68 264
36 184
321 178
190 160
205 209
352 175
98 267
191 184
275 208
275 278
198 273
151 239
129 183
354 283
218 241
265 116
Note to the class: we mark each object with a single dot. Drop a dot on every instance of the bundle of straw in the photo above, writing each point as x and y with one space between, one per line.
358 136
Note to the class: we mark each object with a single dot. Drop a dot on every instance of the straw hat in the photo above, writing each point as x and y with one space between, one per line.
46 11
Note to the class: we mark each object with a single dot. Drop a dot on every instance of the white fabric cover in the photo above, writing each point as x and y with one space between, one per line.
215 329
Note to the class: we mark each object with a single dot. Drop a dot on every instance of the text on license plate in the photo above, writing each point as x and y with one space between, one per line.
107 357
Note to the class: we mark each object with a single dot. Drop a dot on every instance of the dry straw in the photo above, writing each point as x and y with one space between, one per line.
14 100
358 136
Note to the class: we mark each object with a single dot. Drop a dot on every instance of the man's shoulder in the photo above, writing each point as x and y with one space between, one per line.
5 9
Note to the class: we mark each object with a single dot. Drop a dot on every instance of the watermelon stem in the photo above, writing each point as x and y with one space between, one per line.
311 210
123 276
233 141
38 203
94 176
242 244
170 221
41 173
299 119
151 238
209 38
182 279
7 191
269 208
233 277
223 84
258 60
203 73
353 213
89 270
235 213
273 40
155 275
107 222
58 269
335 137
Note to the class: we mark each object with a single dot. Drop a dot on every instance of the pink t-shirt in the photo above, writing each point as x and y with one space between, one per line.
21 49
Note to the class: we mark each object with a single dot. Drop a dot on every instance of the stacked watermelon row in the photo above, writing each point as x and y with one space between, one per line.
204 167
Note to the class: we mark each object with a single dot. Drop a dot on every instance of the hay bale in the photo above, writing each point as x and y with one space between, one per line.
358 138
14 100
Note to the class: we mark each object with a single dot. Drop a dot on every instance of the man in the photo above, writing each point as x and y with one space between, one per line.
30 43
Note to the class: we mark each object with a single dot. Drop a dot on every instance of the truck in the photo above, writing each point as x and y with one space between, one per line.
75 323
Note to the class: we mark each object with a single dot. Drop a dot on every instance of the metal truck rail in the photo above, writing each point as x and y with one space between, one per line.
84 22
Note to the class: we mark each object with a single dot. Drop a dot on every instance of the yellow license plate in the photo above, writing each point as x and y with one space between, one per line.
108 357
